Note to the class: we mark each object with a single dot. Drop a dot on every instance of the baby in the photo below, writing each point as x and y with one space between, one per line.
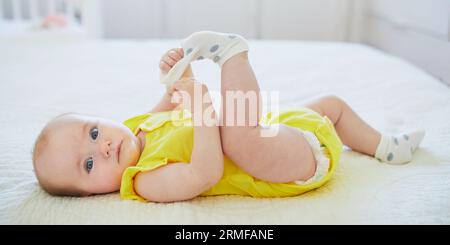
181 149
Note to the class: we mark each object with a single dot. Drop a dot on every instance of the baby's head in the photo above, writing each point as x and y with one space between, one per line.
80 155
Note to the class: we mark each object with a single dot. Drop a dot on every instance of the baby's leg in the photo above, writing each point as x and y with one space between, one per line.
352 130
283 158
361 137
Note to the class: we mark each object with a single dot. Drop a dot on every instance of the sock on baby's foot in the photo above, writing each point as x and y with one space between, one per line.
398 149
219 47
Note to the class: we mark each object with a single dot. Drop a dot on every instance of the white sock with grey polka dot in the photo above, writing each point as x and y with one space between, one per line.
217 46
398 149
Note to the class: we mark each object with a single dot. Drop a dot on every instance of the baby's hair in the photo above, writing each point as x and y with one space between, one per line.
39 147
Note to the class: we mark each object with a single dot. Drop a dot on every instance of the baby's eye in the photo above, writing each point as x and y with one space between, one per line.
89 164
94 133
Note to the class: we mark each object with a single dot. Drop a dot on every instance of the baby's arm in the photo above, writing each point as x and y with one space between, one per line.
181 181
168 60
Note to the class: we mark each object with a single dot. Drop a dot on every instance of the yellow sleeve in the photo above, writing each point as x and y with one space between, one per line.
127 184
134 122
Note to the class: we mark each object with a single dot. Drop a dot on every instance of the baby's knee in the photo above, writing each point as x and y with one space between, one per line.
331 106
330 100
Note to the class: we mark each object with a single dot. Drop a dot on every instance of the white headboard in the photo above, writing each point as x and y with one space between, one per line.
416 30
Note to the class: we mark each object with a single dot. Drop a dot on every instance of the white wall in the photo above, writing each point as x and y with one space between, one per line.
304 19
132 18
183 17
277 19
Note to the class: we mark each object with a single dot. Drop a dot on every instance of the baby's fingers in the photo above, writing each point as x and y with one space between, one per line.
180 51
164 66
175 55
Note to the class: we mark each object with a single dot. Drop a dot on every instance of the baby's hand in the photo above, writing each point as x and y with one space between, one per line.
184 91
170 58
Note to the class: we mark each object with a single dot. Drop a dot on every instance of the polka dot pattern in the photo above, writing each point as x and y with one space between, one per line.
214 48
390 156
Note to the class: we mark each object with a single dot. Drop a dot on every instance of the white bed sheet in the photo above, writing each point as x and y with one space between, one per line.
41 77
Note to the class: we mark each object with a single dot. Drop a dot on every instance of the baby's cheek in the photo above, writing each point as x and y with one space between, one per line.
110 182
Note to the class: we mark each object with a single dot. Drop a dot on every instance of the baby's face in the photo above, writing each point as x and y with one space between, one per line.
89 153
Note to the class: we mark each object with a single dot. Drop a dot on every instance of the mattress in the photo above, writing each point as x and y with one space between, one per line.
43 76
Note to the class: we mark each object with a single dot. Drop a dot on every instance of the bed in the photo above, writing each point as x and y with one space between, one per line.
42 76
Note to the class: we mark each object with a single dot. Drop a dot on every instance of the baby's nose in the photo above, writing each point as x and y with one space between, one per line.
105 148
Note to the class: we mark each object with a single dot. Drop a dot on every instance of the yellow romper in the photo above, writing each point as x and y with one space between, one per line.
169 139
